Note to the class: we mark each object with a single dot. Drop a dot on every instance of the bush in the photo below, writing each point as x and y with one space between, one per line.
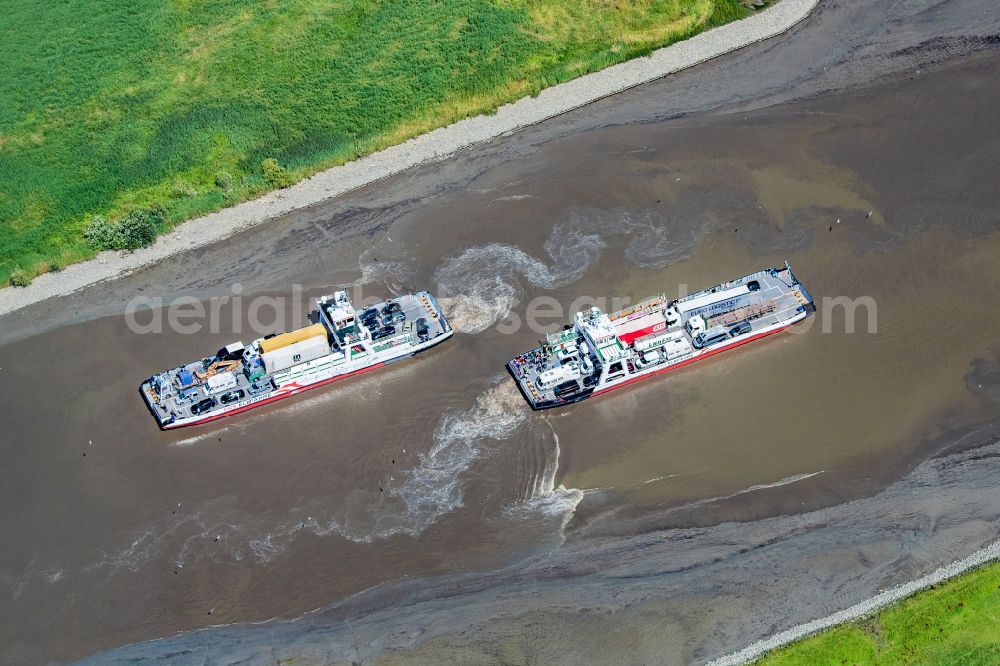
100 233
19 278
182 188
224 180
276 175
138 229
135 230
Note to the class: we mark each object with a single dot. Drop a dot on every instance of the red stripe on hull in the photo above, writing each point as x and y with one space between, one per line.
692 360
275 398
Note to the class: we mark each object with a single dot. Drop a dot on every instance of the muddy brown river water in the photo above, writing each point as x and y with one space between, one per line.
884 196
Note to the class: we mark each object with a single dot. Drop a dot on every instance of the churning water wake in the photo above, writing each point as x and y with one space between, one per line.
391 273
218 530
479 287
434 487
424 493
545 496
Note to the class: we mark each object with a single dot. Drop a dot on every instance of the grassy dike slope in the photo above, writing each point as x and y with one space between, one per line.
109 107
955 622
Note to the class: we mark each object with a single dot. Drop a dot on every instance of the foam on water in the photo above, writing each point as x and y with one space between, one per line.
219 531
389 272
515 197
478 287
139 551
545 497
795 478
201 437
482 303
781 482
54 575
424 493
656 237
431 489
434 487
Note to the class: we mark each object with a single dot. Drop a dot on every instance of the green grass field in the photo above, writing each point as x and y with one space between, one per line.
110 106
957 622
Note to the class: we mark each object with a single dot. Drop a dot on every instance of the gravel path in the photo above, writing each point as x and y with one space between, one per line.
990 553
430 147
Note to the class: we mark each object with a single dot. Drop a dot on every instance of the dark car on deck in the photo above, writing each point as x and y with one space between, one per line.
232 396
384 332
202 406
422 329
567 388
393 317
739 329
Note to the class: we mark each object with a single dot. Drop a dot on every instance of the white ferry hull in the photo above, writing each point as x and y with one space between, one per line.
600 353
294 362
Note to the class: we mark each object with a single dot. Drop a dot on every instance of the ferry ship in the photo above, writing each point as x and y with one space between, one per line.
601 352
343 342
